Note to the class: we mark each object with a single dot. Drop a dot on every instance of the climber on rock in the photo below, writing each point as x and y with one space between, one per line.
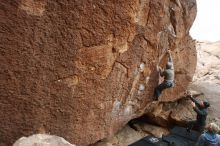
168 75
201 109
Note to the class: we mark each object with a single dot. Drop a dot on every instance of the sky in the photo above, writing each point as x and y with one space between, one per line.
206 27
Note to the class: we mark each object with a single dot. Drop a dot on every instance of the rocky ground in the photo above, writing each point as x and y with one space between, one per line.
207 77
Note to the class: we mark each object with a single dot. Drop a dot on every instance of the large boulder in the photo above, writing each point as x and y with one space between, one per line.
82 69
131 134
123 137
170 113
154 130
42 140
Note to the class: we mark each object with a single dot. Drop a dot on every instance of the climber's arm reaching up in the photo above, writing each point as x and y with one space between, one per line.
170 59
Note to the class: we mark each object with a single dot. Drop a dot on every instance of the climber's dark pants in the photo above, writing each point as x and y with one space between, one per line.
161 87
195 126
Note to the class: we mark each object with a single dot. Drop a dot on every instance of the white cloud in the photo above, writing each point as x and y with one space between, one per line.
207 23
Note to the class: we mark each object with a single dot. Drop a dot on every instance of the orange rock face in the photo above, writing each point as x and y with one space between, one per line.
82 69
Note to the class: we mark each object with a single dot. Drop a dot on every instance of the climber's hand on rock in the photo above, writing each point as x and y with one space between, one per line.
188 93
158 68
